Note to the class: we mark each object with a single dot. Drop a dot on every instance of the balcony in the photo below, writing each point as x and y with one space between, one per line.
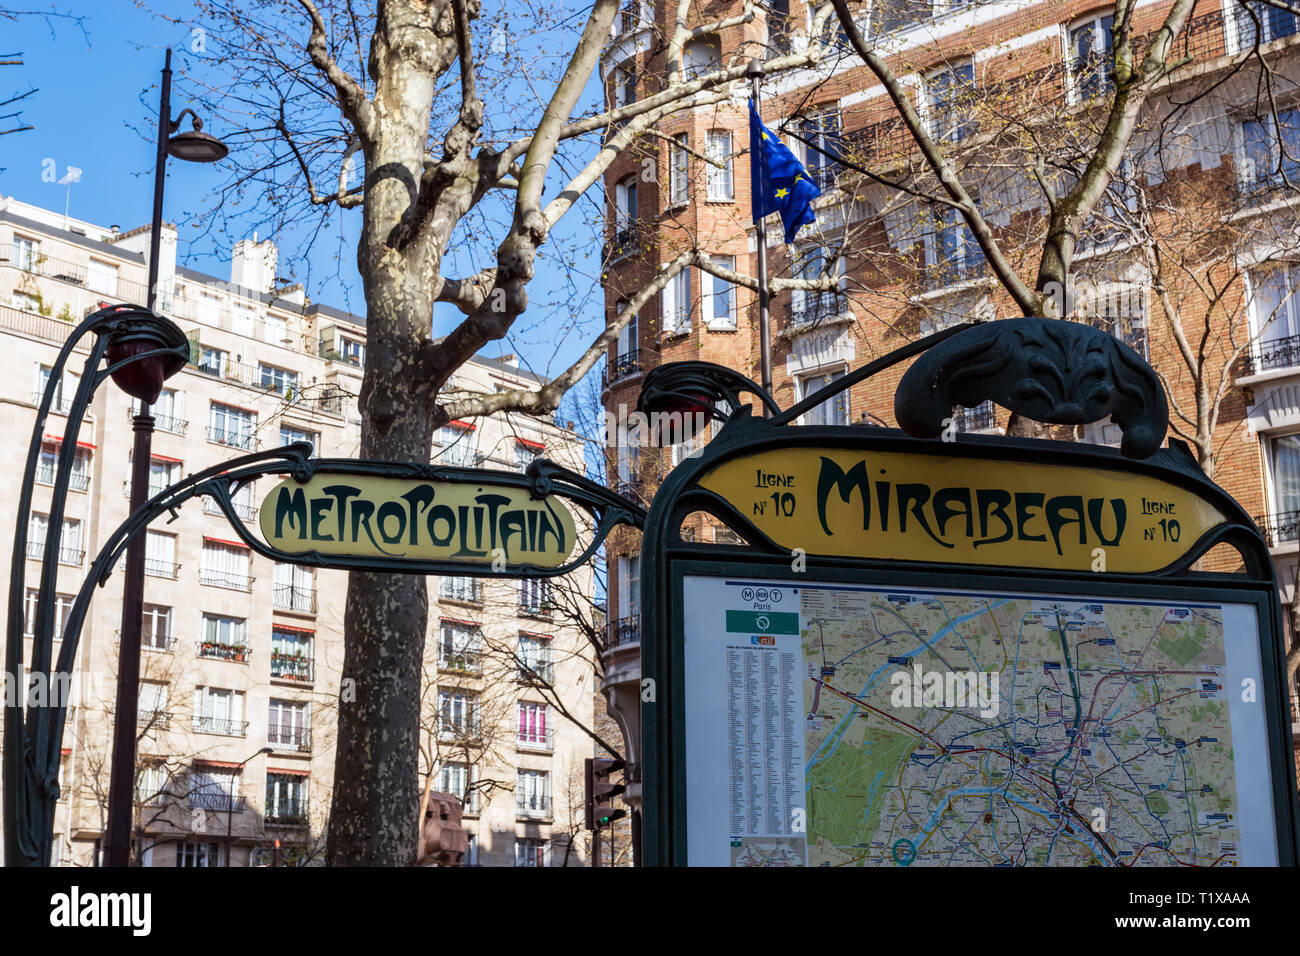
624 631
461 662
60 405
289 739
233 437
77 481
225 579
296 667
824 176
533 606
954 270
216 800
289 597
163 423
624 245
289 813
466 727
1273 354
627 363
152 720
240 653
533 805
538 670
1279 529
463 591
220 725
156 568
67 555
542 740
244 509
818 308
980 418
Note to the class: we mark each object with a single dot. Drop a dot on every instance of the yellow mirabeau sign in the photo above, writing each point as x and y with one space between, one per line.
417 520
920 507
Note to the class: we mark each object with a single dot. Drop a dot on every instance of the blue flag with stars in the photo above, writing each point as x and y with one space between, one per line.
779 181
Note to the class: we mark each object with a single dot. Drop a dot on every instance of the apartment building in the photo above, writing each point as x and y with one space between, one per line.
241 669
997 84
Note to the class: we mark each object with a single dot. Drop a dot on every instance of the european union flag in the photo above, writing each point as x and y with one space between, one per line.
780 183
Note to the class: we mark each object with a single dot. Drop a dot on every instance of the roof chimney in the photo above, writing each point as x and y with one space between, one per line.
252 265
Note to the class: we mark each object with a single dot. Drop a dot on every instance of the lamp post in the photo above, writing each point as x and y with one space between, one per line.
230 802
197 147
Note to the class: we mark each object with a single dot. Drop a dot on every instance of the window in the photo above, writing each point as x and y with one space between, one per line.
534 656
533 730
952 254
295 589
163 472
278 380
460 588
62 610
526 453
455 778
241 499
25 253
460 646
949 95
628 358
530 851
351 351
832 31
833 411
212 361
286 797
25 301
291 433
535 596
821 142
676 303
225 638
228 425
47 466
629 587
1284 464
63 393
624 85
978 419
214 787
629 16
242 319
721 182
151 784
700 58
533 792
156 631
152 704
679 171
720 302
1258 22
1275 310
289 725
225 565
890 16
456 442
1091 53
817 262
625 205
219 710
102 277
1270 153
198 854
160 554
70 549
275 330
292 656
457 713
168 412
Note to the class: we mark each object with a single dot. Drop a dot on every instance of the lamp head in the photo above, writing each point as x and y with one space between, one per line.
196 146
133 331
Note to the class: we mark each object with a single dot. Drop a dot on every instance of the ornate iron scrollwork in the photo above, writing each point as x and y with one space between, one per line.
1050 370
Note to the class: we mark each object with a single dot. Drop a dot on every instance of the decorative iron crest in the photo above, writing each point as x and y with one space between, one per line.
1050 370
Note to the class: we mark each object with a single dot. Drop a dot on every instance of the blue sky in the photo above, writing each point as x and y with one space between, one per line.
97 94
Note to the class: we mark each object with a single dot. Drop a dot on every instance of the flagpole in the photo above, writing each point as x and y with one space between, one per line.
755 73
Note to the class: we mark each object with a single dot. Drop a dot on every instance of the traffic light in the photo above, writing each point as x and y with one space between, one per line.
601 791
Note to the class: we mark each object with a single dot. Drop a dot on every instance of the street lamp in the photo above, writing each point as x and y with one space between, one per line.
230 801
194 146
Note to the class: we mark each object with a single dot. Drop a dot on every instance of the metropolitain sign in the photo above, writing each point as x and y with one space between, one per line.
417 520
942 508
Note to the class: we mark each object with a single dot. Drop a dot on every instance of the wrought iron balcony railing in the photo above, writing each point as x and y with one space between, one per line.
215 650
624 631
163 423
157 568
243 509
538 670
536 739
625 364
216 800
288 597
291 739
234 437
818 308
61 404
459 728
1280 528
533 804
225 579
67 555
220 725
1273 354
980 418
287 813
292 667
77 481
624 245
463 662
466 591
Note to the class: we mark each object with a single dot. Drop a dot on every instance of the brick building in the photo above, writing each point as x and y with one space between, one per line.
1187 257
